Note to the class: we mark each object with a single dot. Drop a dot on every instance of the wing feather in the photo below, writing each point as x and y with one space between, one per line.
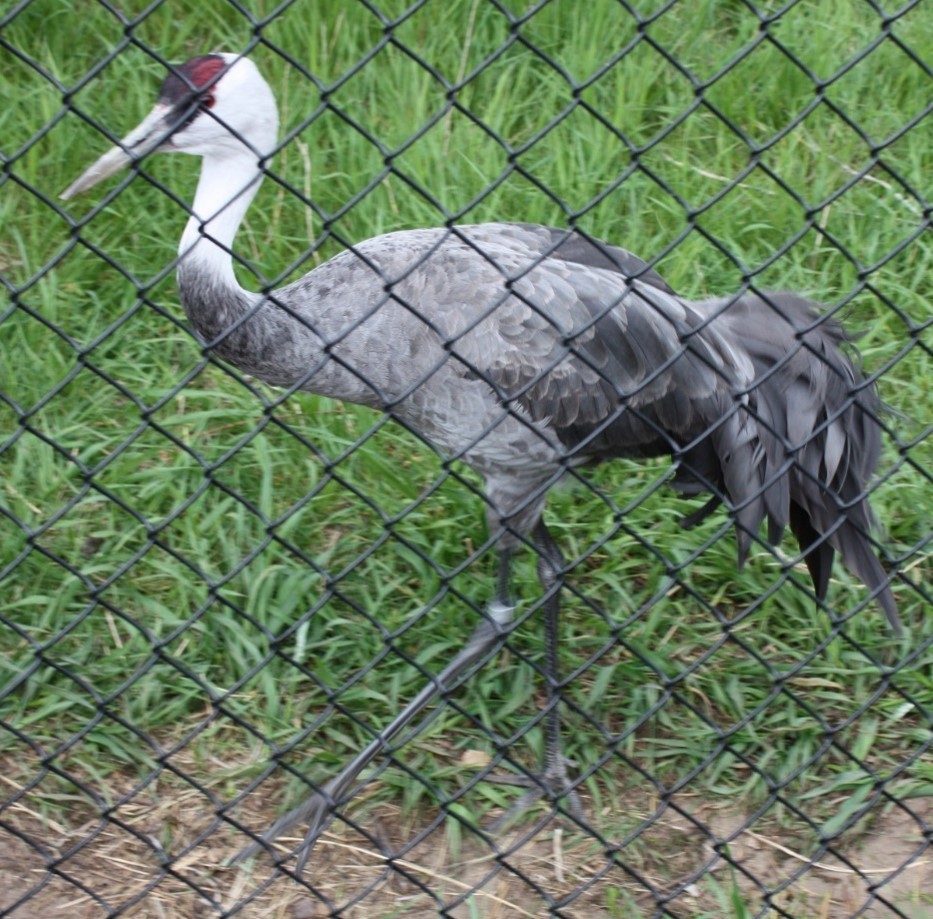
601 356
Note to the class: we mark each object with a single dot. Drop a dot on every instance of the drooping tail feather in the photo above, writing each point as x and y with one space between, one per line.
802 449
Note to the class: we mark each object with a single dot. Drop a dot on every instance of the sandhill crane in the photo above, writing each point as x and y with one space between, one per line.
524 351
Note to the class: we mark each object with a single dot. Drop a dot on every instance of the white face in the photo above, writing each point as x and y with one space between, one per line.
216 106
234 111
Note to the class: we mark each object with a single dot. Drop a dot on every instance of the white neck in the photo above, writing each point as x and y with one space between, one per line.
226 187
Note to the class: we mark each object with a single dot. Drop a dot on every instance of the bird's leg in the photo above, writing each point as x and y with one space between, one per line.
319 810
554 780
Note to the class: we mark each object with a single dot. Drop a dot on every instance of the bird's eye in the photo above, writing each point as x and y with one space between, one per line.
207 100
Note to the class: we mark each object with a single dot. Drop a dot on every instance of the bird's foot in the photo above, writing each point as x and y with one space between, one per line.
553 783
317 812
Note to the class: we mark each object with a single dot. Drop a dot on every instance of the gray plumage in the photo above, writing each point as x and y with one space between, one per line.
526 351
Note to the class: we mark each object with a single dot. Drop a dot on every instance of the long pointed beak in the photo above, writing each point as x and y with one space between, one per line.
140 142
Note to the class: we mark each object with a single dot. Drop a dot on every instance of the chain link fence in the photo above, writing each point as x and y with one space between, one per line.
215 593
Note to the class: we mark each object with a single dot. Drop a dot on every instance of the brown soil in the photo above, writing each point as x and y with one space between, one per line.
81 866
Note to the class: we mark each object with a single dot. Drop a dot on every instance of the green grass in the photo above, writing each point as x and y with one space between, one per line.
189 542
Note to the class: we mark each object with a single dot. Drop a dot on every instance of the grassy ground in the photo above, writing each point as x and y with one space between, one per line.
188 557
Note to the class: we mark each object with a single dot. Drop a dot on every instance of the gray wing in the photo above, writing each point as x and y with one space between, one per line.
586 338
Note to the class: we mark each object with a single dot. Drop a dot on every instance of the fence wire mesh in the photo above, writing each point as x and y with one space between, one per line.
217 592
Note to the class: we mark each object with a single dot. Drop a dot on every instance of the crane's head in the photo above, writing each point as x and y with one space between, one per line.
217 105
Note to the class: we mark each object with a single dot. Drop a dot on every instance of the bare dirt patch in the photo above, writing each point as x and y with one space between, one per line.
162 852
